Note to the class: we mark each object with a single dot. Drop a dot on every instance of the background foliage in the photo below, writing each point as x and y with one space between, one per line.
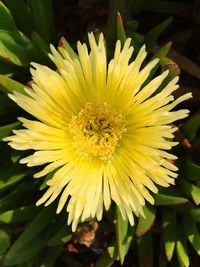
36 236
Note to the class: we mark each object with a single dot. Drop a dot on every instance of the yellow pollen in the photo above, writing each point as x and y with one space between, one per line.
96 130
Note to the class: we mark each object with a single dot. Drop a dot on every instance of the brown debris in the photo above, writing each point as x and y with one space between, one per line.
181 138
85 233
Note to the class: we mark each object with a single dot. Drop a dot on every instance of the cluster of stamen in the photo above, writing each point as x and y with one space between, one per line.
96 130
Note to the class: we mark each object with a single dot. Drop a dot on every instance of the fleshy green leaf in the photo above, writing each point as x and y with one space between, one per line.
104 261
16 155
154 33
193 234
115 6
124 235
47 178
43 18
33 239
112 249
145 250
63 235
137 42
29 251
65 46
10 176
144 224
191 126
6 105
17 198
7 129
16 48
168 64
8 85
132 25
174 70
162 52
6 22
4 241
121 35
19 215
191 169
11 201
42 49
8 69
181 248
195 214
190 190
162 200
22 15
170 231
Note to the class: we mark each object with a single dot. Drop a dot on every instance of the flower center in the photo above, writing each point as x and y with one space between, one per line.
96 130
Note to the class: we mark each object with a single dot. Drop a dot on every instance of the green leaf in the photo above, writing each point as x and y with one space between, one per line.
162 200
29 185
47 178
145 250
43 18
16 155
124 235
113 250
132 25
195 214
174 70
115 6
11 201
6 21
22 15
63 235
50 256
191 169
104 261
121 35
190 190
170 231
4 241
181 248
8 85
144 224
33 239
168 64
154 33
162 52
192 234
16 48
191 127
29 251
7 129
10 176
42 49
64 45
6 105
21 214
19 197
137 42
8 69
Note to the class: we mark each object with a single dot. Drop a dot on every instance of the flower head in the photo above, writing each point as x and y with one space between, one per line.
104 137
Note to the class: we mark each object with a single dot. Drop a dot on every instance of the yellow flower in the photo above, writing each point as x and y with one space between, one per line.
104 137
